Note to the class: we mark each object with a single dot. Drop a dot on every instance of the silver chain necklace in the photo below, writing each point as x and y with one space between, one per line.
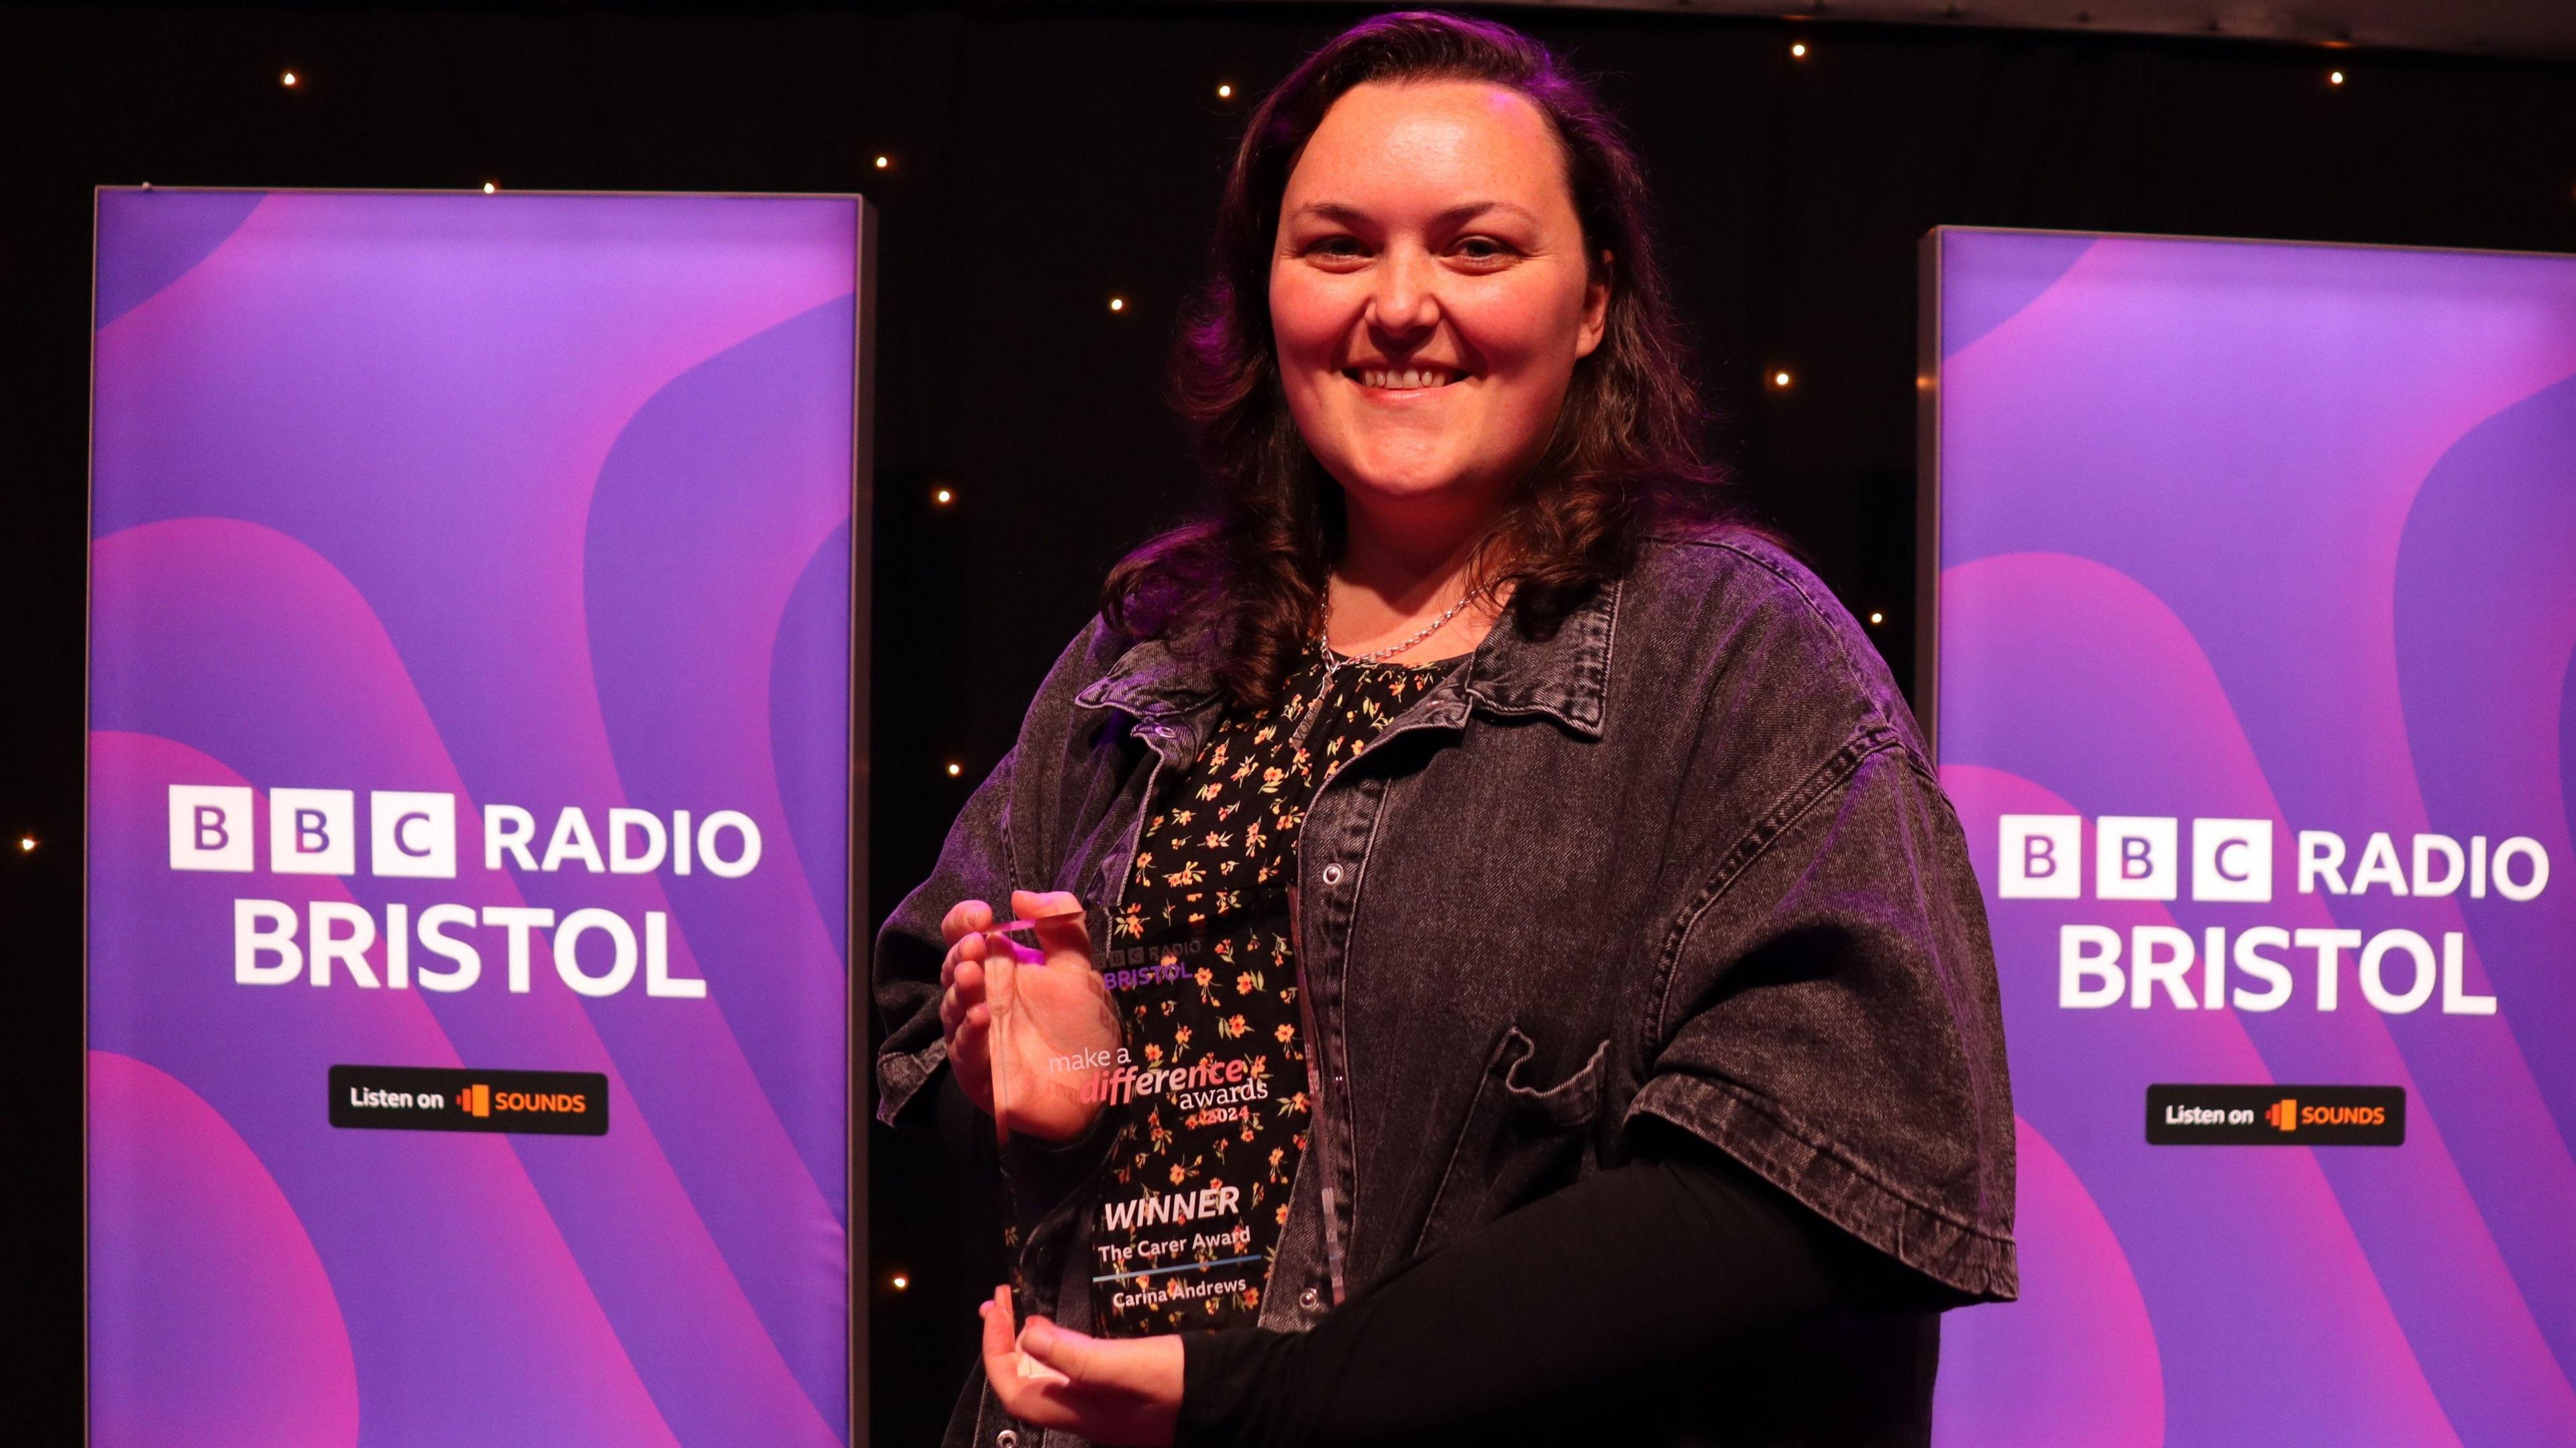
1336 662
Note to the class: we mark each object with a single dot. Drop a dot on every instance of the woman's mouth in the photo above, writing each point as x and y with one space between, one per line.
1402 379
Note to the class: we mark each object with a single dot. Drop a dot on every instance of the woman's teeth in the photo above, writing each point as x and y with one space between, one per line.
1407 376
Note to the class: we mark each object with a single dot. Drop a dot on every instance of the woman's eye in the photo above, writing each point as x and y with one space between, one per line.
1337 247
1482 249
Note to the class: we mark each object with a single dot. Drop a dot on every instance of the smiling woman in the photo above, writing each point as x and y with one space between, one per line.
1429 316
1546 865
1438 198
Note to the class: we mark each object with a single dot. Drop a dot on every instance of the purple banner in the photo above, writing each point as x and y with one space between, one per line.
2255 622
470 643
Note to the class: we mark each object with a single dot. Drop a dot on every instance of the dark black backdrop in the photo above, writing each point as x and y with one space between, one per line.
1044 158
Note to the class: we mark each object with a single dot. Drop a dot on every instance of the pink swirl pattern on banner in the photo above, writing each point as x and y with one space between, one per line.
538 501
247 1332
2276 533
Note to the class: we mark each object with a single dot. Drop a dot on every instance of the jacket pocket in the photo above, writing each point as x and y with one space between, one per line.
1520 1141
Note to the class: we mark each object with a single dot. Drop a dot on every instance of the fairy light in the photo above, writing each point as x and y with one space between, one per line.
955 769
1224 91
491 187
1780 380
287 80
1798 50
26 844
884 161
2334 77
1117 304
943 497
1878 618
901 1282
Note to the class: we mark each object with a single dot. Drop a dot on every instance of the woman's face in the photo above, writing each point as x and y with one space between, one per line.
1429 291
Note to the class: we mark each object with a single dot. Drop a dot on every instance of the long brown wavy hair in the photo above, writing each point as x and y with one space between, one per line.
1243 587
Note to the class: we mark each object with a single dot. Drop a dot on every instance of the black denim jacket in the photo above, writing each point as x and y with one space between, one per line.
1684 859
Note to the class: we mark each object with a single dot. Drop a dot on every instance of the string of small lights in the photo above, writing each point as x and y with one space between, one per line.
1778 380
1781 380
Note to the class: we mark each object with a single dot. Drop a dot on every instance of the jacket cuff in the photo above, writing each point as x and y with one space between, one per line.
1956 1254
900 1077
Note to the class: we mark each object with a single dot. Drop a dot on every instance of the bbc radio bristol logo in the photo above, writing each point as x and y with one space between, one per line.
2252 966
446 947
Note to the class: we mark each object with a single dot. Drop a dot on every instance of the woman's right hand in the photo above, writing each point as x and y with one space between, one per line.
1052 1007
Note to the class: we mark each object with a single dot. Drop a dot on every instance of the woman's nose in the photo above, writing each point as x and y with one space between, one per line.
1406 301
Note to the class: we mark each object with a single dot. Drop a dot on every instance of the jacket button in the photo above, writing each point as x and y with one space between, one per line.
1332 874
1309 1299
1007 1438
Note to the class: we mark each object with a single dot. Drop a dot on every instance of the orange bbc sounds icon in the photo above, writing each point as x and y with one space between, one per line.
2284 1113
475 1100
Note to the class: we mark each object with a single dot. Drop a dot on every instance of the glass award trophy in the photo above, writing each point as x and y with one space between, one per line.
1210 1090
1054 1038
1184 1043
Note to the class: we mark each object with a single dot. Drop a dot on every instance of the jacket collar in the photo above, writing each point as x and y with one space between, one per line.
1565 676
1150 681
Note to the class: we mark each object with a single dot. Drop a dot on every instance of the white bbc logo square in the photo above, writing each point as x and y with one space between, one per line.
2040 857
210 827
313 831
2135 857
412 835
2231 860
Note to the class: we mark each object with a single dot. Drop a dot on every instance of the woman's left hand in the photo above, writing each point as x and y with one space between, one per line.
1125 1391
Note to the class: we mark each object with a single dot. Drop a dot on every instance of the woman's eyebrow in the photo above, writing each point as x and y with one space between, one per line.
1343 212
1465 211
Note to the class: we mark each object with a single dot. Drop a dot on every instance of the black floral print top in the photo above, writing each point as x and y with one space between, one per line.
1202 967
